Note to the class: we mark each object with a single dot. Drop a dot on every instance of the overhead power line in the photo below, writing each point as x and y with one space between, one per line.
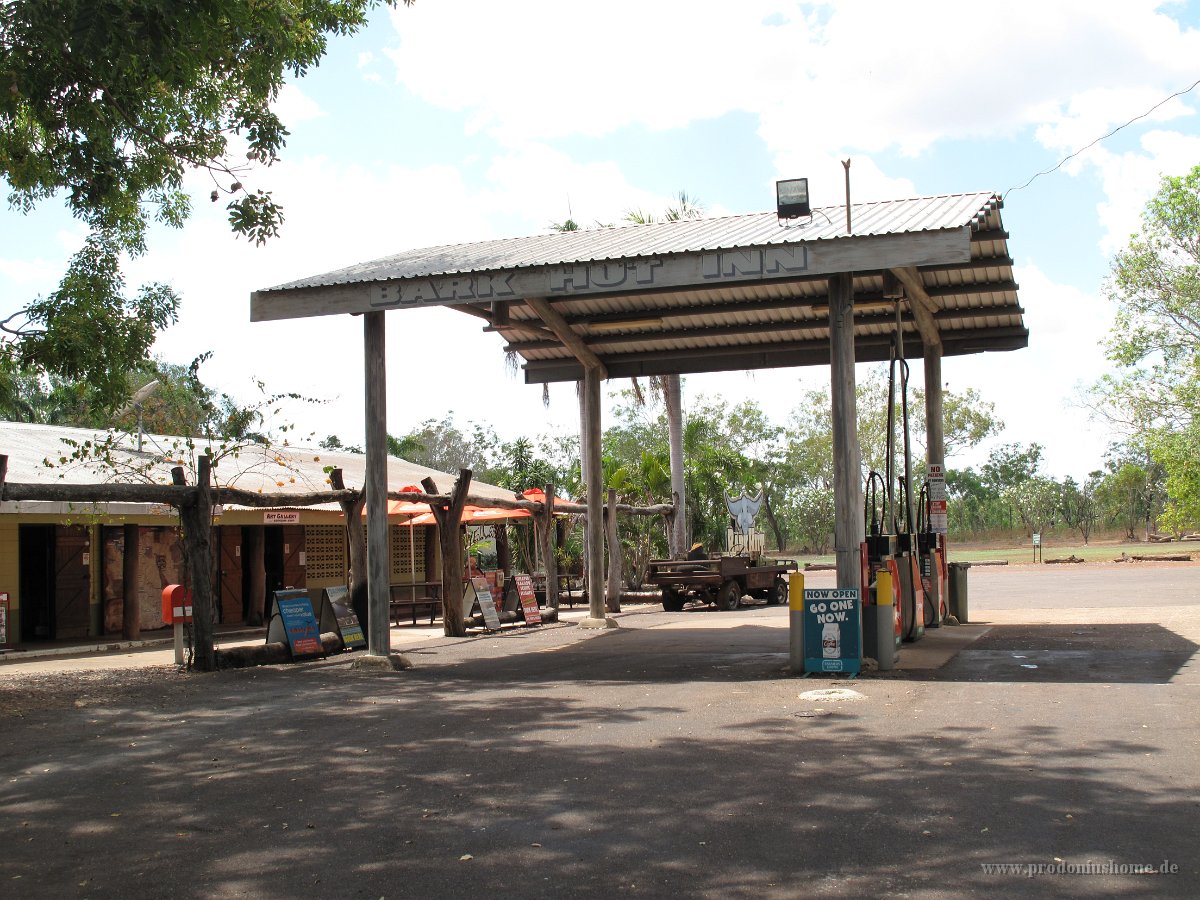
1066 159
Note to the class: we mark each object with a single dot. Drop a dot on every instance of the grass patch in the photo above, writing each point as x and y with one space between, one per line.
1097 551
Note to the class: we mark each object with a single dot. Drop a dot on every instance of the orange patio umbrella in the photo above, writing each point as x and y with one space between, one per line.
473 515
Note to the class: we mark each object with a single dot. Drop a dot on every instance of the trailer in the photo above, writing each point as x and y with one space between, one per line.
722 580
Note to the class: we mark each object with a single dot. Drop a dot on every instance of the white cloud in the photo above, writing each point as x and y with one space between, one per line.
293 106
337 215
1130 179
536 185
1035 389
366 63
830 77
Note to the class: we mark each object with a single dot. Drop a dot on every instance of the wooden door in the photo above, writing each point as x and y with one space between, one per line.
72 586
294 574
229 575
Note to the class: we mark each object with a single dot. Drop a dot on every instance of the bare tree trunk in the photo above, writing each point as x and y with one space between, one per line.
774 523
503 550
612 594
196 518
449 517
673 400
356 544
131 619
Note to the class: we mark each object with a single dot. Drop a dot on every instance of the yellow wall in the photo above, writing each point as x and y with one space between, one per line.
10 577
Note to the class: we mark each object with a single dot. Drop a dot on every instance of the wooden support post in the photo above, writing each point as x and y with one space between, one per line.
449 520
131 625
847 455
590 442
612 593
677 539
934 423
546 535
378 588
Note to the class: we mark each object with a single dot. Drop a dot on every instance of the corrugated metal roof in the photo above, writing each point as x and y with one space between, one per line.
718 294
288 470
663 238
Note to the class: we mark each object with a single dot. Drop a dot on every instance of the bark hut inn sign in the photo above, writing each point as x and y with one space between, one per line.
598 277
382 286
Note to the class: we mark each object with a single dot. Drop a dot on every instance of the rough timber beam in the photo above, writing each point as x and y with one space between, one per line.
555 322
922 306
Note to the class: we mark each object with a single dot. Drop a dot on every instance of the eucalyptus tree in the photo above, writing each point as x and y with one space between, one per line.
1155 340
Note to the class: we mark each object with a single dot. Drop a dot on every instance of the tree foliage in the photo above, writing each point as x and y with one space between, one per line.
1155 285
107 105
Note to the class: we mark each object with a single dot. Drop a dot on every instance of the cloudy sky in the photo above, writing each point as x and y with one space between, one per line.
461 120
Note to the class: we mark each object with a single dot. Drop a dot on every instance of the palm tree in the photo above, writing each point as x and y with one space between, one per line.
670 387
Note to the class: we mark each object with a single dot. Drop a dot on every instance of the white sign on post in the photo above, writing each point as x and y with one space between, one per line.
938 520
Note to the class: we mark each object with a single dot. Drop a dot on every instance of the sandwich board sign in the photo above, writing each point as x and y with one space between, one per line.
832 631
295 623
337 601
487 606
529 604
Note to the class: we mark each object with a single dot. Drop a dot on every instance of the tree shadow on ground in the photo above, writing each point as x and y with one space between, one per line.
506 776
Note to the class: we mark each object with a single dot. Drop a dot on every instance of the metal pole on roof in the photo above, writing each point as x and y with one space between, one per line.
846 166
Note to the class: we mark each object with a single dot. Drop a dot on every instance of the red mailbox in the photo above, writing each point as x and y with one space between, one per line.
176 604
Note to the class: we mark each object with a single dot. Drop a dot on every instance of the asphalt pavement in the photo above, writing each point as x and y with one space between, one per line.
1047 748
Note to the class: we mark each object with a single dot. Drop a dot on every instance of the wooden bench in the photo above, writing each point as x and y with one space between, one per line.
406 599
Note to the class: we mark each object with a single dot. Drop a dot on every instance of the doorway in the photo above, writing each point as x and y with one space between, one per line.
273 563
36 582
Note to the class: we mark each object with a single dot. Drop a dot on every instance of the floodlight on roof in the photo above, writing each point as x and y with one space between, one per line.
791 198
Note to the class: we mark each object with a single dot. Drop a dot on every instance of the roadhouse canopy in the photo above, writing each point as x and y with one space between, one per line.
718 294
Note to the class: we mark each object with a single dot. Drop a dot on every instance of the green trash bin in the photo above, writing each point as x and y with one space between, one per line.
958 591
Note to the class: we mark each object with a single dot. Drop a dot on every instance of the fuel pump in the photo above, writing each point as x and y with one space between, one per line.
931 547
892 534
